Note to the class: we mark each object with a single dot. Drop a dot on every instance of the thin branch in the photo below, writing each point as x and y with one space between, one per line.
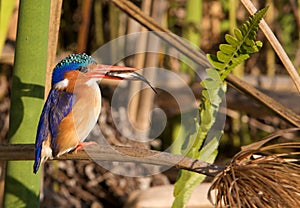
199 58
276 45
125 154
55 15
84 26
284 112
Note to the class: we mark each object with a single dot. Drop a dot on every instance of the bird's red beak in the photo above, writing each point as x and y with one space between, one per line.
115 72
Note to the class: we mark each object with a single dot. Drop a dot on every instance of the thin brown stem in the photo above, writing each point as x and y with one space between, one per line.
125 154
276 45
55 14
84 26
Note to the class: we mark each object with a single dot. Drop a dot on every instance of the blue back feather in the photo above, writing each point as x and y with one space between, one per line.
63 105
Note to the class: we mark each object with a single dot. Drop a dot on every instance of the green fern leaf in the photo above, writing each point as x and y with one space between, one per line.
231 40
223 57
239 46
226 48
238 34
259 44
215 62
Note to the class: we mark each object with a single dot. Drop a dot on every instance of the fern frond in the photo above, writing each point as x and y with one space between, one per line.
239 47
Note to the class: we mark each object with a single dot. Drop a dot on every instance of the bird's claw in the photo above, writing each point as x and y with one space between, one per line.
81 145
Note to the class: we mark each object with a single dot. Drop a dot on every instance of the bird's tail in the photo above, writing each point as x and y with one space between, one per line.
42 153
37 160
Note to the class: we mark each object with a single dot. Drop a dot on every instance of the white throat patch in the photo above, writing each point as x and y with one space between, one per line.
62 84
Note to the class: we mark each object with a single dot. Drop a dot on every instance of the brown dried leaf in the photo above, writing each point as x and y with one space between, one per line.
261 175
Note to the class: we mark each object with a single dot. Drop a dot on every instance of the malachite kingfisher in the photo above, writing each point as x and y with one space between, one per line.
73 105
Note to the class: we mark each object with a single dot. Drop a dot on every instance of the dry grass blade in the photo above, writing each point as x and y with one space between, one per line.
266 176
276 45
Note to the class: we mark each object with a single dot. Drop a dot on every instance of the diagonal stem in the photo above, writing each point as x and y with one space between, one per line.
276 45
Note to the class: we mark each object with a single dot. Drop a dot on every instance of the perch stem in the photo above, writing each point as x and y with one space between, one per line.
116 153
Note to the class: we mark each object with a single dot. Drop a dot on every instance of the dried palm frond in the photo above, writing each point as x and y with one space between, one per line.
261 175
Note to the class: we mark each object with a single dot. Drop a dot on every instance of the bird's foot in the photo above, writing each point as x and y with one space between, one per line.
81 145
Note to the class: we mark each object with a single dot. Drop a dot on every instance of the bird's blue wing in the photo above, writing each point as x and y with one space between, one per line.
58 105
64 102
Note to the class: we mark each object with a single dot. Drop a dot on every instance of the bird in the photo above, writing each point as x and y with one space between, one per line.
73 105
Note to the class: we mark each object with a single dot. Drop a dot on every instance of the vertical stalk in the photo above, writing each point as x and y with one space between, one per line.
152 59
55 14
6 10
239 70
270 55
84 26
192 32
114 14
22 186
98 18
191 28
232 15
139 62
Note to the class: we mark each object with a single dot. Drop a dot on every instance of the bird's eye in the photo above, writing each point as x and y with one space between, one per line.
83 69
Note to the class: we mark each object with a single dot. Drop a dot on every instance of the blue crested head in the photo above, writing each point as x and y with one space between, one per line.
71 62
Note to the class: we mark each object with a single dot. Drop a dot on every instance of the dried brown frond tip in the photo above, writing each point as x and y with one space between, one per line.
261 175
